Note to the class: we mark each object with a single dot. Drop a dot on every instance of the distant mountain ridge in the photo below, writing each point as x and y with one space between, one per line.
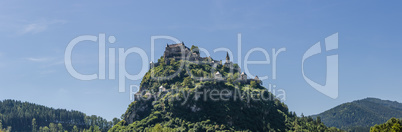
361 113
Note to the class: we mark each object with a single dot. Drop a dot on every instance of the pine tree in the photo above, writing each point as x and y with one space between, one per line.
318 119
34 125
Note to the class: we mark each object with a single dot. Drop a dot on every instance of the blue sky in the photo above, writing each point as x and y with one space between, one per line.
35 34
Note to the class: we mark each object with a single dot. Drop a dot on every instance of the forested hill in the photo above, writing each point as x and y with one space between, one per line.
361 113
207 95
22 116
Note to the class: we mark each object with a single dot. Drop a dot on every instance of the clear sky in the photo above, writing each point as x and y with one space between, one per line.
35 34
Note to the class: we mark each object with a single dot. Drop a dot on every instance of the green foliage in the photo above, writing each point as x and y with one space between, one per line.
34 126
361 114
75 129
253 84
60 127
187 82
24 116
392 125
186 111
195 49
3 129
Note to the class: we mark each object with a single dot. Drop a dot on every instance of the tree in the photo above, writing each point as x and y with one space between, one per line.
195 49
96 129
157 128
318 119
34 125
75 129
186 81
396 127
60 127
253 84
52 127
392 125
8 129
45 129
4 130
115 121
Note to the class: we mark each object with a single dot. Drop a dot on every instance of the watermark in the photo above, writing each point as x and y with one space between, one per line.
206 93
330 88
186 58
101 75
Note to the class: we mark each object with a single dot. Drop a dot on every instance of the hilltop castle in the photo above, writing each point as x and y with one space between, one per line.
179 52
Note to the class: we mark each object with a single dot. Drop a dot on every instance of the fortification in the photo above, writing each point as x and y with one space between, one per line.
179 52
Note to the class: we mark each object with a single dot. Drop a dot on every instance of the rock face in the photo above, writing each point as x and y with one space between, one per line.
138 110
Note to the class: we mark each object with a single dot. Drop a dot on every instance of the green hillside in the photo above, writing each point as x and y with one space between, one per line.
175 104
361 113
23 116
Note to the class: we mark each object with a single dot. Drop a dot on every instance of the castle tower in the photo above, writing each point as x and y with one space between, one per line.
228 63
151 65
227 57
256 78
243 76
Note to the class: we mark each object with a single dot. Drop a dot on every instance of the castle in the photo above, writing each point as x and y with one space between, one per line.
179 52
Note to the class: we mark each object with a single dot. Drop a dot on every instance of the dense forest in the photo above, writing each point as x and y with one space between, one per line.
360 115
24 116
167 111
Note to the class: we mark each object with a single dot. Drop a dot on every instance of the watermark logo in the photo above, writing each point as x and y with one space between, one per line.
107 65
330 88
101 75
